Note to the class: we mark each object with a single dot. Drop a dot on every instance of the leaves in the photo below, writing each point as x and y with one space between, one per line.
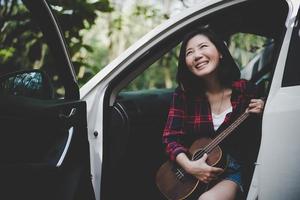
6 54
244 47
97 32
21 42
103 6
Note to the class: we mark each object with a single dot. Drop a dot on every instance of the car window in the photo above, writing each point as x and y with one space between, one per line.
291 75
251 52
160 75
22 45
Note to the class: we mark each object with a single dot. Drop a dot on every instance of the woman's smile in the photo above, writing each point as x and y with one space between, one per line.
201 65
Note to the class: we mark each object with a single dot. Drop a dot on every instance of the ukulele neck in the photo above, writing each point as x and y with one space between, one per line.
217 140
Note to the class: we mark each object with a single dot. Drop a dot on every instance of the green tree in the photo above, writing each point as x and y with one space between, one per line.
243 47
18 31
117 30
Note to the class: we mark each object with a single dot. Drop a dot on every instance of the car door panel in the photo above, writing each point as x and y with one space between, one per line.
277 160
44 149
45 143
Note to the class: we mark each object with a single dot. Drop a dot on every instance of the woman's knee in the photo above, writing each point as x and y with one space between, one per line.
207 196
224 190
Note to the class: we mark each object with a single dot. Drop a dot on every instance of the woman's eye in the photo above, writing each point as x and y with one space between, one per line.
188 53
203 46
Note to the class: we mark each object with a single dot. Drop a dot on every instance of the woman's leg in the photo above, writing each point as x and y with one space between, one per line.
224 190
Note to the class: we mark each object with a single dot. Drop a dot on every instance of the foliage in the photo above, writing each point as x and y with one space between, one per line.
161 74
13 33
97 32
117 30
74 17
21 41
243 47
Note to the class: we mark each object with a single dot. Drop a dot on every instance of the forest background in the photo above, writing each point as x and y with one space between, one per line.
97 31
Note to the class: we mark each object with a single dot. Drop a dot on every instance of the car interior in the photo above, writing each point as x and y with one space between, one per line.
133 125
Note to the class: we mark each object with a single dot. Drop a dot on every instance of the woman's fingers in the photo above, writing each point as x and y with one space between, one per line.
207 179
205 172
256 103
211 175
204 157
217 170
256 106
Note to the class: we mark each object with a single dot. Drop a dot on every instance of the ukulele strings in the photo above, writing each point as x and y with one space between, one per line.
220 137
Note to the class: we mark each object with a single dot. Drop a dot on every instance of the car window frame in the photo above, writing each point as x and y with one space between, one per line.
44 16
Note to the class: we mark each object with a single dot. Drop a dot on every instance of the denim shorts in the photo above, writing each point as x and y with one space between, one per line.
233 172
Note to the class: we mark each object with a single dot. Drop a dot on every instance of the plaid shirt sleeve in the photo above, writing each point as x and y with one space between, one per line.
174 128
252 90
247 90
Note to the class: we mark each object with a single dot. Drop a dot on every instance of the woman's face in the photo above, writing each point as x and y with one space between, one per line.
202 57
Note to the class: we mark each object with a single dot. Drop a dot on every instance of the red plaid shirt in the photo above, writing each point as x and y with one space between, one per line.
190 118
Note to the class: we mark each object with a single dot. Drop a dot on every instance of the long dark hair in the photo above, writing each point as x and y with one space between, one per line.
228 71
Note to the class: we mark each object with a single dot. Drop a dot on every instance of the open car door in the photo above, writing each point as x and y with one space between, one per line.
44 150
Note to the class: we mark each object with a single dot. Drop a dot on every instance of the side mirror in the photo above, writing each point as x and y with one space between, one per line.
33 83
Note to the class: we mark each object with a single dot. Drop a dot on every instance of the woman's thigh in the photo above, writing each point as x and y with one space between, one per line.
224 190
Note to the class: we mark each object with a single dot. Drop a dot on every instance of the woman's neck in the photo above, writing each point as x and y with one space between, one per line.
213 85
218 96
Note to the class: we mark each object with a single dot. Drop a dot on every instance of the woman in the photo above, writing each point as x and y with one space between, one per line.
209 97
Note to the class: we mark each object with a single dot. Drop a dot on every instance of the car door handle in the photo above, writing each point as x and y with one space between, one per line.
72 112
66 147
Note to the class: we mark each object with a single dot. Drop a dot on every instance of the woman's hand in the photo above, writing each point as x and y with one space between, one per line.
202 171
256 106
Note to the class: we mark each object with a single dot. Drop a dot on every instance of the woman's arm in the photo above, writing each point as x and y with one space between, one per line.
174 127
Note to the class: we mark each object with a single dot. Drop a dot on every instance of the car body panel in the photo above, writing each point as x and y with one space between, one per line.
277 175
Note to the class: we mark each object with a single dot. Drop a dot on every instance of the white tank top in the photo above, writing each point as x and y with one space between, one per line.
219 119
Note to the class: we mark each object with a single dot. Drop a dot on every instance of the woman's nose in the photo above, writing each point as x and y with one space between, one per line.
198 55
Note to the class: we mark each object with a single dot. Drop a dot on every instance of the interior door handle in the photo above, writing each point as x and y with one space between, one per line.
72 112
66 148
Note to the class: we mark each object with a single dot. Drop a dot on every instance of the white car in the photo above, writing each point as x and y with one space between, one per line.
54 144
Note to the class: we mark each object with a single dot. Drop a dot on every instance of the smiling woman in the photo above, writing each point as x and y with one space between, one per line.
209 87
